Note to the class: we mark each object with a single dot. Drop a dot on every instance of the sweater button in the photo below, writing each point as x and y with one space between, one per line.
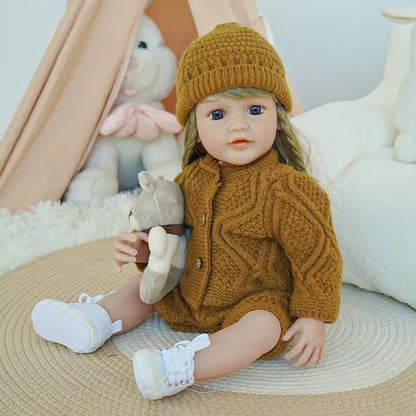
199 263
204 219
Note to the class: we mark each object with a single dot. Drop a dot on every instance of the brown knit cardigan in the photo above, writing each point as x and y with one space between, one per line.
262 226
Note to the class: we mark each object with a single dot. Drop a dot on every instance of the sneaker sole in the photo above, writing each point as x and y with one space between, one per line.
58 322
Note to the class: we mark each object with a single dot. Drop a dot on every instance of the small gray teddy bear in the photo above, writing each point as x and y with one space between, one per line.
159 211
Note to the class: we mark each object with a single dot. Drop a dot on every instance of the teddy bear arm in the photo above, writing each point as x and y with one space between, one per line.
157 243
160 276
162 248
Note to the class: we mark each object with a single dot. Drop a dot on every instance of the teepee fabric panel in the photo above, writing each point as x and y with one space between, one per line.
56 122
75 85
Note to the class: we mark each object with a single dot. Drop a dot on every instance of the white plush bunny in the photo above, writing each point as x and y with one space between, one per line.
138 134
159 211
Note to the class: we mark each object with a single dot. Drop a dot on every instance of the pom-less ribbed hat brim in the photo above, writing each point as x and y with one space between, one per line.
369 369
230 56
237 76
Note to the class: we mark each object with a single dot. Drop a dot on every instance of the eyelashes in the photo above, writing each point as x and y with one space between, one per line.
254 110
217 114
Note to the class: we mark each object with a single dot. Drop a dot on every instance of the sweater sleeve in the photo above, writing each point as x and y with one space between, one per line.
302 224
181 180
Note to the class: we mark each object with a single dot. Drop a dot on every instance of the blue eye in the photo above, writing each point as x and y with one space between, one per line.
216 115
255 110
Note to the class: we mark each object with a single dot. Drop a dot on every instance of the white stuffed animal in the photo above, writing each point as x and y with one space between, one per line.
404 111
373 198
139 133
159 211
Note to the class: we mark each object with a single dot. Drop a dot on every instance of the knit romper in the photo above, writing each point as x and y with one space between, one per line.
262 238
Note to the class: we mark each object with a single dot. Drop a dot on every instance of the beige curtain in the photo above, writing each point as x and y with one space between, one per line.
56 122
73 89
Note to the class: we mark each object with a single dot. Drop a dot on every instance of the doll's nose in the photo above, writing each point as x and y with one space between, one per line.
238 124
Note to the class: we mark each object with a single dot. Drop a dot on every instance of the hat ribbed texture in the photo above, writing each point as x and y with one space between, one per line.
229 56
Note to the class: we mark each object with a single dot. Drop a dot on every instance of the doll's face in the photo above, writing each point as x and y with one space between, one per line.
236 131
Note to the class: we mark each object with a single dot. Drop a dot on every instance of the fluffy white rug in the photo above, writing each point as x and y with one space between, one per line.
50 226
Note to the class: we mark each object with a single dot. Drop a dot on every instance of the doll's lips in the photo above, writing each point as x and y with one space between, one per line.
240 143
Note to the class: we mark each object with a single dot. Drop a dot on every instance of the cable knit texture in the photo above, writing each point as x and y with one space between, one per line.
262 239
229 56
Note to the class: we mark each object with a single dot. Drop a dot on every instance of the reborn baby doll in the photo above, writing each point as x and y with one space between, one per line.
262 260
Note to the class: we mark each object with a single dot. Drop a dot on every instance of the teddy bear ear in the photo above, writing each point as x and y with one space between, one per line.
146 181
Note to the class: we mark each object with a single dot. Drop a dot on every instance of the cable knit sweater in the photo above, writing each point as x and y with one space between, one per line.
262 226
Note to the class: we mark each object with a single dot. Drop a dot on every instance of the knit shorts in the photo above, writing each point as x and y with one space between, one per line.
181 317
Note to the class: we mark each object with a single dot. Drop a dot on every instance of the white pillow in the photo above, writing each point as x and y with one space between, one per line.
373 197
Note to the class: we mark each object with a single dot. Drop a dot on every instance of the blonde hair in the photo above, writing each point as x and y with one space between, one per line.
286 142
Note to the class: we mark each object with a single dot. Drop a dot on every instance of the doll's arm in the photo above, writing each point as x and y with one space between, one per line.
310 346
302 225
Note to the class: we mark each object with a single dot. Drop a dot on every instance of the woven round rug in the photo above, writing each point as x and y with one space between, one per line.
370 366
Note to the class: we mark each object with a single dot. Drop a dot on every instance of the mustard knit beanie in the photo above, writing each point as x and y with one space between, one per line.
229 56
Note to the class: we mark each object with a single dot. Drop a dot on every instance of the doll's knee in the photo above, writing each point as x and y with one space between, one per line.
264 325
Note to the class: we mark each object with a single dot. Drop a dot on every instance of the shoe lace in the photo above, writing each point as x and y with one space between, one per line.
182 369
85 298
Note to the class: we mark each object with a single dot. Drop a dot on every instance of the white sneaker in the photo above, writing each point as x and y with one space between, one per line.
81 327
161 373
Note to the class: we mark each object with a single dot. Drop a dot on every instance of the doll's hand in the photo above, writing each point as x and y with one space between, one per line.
310 347
130 248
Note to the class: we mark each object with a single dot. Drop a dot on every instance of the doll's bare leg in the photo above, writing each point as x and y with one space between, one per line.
238 345
126 305
161 373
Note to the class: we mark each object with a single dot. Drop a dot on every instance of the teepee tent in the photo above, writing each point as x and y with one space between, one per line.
75 85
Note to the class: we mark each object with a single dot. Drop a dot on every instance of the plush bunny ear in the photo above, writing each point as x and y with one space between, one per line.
146 181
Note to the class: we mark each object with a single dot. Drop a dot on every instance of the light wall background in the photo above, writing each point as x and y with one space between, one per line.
332 50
